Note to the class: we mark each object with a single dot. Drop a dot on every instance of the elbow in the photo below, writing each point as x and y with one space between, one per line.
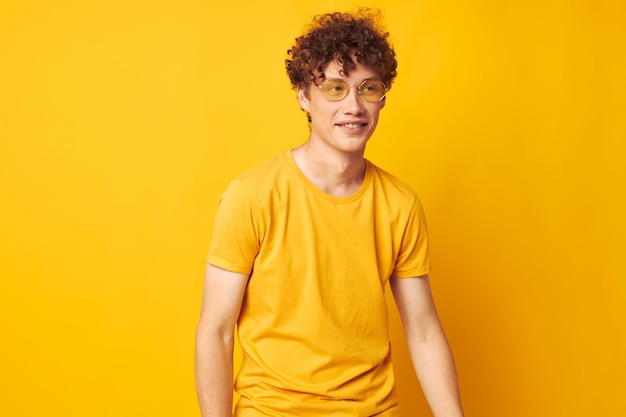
209 333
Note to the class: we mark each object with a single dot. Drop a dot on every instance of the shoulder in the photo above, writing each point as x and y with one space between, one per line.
272 167
393 187
261 177
263 185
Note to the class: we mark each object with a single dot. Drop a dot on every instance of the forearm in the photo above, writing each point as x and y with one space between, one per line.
435 368
214 373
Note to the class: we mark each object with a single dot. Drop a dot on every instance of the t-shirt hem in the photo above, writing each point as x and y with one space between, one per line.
412 273
229 266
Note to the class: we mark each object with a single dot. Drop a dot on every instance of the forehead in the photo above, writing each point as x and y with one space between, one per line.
335 70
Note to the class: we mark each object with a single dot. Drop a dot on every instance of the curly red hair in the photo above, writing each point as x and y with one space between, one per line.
344 37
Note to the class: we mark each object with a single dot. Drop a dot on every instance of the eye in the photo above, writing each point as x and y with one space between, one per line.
372 88
334 87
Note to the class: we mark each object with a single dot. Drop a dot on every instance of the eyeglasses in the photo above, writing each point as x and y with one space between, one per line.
370 90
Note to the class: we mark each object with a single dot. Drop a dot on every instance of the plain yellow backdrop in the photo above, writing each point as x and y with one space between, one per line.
121 122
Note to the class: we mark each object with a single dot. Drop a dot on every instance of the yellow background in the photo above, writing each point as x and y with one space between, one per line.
121 122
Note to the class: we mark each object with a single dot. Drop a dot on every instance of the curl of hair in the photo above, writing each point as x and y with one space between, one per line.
342 36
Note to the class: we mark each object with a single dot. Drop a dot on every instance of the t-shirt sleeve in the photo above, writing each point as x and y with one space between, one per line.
414 257
237 230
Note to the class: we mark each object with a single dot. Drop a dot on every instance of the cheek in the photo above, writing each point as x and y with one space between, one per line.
374 113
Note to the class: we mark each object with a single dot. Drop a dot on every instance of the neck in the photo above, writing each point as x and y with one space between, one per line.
338 174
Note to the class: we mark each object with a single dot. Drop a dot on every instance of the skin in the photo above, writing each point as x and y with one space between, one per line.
332 159
428 346
221 303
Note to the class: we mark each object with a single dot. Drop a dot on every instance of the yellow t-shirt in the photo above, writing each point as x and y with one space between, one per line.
313 325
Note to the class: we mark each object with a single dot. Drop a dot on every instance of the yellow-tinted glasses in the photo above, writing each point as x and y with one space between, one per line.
370 90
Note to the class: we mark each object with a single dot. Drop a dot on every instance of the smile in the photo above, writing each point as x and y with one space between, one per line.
352 125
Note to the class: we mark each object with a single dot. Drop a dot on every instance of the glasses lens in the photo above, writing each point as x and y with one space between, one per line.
334 90
372 90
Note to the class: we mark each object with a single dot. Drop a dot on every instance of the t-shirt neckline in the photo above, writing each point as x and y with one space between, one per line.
367 178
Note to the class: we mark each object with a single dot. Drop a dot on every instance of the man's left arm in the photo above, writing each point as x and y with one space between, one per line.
428 346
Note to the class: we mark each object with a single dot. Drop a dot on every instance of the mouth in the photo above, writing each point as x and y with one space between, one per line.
352 125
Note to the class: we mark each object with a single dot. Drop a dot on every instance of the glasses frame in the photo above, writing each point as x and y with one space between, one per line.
358 89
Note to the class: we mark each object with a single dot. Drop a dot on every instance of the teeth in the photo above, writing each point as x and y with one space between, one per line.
352 125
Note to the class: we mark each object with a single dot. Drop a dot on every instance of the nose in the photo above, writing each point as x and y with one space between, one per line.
353 103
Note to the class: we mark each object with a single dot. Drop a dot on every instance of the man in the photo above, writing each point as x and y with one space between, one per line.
303 247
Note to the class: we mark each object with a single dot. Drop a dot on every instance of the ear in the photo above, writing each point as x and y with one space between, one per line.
383 101
303 98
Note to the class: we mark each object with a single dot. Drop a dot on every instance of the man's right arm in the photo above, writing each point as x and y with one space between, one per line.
221 304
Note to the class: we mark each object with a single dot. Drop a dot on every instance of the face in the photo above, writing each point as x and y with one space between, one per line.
346 125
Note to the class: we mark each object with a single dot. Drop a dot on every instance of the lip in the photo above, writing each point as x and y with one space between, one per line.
352 129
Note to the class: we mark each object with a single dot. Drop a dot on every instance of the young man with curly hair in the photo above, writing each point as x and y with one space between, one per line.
304 246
